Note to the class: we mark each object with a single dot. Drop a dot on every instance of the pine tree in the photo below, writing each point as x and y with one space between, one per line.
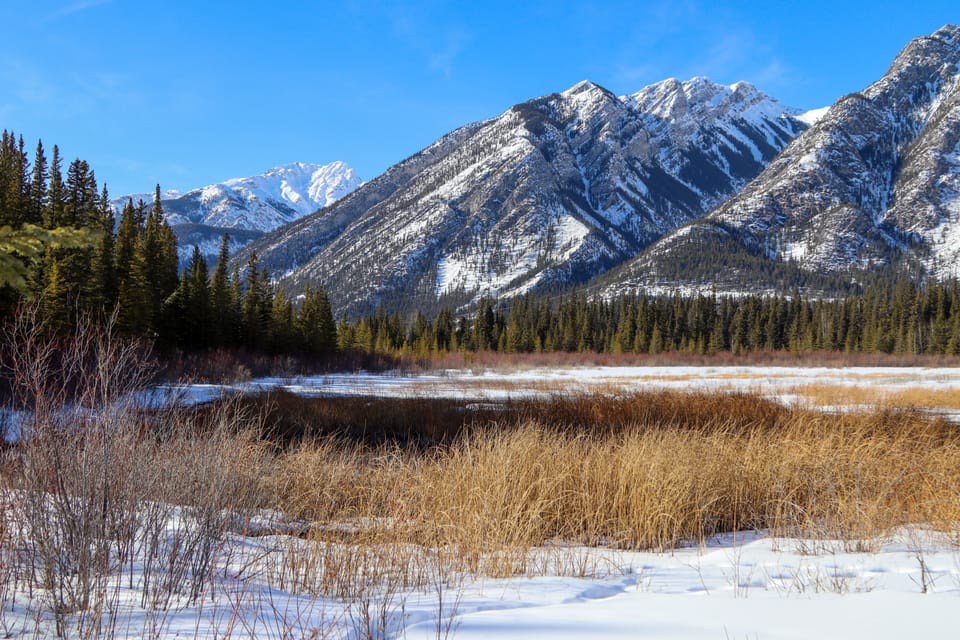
128 236
101 288
80 206
134 304
38 187
14 181
176 323
7 210
199 306
313 335
160 254
187 311
717 341
58 300
283 332
257 306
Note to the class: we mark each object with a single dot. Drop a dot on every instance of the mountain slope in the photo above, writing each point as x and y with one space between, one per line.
548 194
873 184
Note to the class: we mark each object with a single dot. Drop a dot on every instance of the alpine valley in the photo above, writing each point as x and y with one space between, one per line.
682 185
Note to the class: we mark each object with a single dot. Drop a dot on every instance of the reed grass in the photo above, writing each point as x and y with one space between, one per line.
643 471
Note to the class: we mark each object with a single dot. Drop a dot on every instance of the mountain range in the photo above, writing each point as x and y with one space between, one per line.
246 208
547 195
680 186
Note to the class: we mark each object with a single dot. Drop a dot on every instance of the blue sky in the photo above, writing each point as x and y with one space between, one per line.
190 93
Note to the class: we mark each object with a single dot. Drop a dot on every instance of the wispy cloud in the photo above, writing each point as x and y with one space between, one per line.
31 88
25 83
442 60
439 42
715 42
76 7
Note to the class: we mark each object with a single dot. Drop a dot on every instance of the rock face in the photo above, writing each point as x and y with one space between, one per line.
249 207
548 194
873 185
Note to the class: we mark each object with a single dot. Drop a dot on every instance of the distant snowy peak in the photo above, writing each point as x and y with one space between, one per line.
249 207
306 187
276 197
259 203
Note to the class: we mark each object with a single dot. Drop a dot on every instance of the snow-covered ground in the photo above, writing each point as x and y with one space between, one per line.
751 587
747 586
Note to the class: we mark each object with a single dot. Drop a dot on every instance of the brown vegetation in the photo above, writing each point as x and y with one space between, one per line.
648 470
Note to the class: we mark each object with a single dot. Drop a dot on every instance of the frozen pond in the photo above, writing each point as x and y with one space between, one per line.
825 387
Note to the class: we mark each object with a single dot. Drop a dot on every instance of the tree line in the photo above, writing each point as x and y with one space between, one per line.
895 317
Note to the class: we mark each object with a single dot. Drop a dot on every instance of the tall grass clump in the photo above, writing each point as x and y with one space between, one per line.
646 470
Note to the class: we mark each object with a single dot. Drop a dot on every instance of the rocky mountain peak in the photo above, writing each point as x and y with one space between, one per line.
949 33
874 184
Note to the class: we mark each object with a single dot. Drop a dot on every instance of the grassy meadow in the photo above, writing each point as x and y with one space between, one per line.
110 504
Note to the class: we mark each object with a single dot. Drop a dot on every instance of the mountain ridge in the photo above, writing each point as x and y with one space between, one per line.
873 185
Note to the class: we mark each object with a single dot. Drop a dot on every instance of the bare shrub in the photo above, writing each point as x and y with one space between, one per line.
108 485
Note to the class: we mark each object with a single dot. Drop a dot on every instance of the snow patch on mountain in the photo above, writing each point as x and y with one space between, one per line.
471 269
813 116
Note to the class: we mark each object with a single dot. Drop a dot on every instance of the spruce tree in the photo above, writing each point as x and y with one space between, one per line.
257 306
54 215
128 235
160 254
58 299
223 309
199 308
102 285
134 299
80 205
283 331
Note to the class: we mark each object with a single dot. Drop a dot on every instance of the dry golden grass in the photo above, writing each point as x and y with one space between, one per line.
649 470
825 395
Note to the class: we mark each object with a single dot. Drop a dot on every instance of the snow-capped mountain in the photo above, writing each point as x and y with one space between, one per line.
874 183
550 193
248 207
